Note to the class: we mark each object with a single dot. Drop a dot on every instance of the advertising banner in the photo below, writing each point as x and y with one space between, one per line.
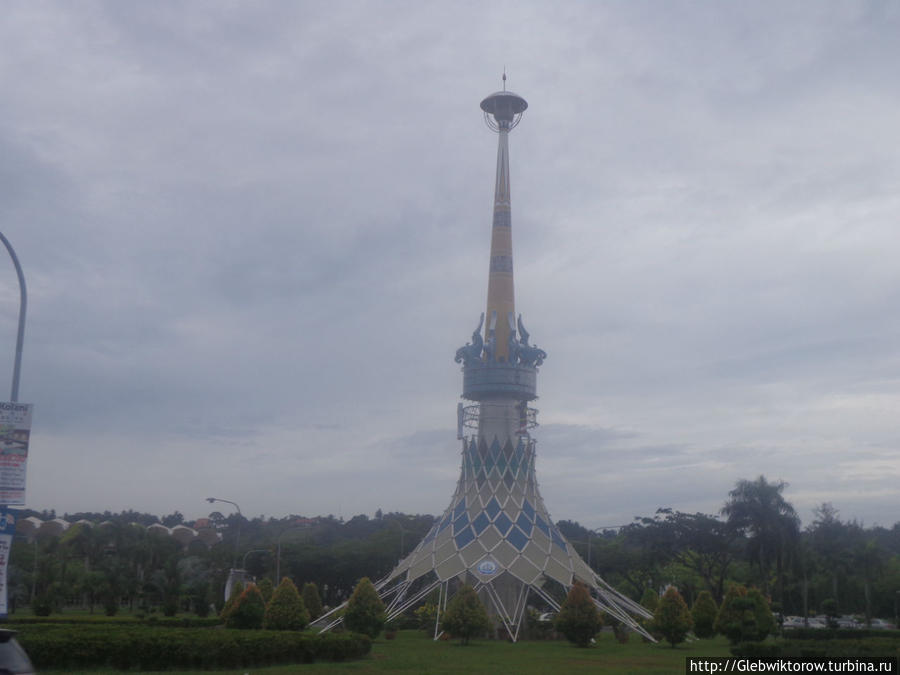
7 531
15 428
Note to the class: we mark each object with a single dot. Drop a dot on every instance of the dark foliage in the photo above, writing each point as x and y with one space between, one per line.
578 618
73 647
672 617
704 614
286 610
465 616
365 611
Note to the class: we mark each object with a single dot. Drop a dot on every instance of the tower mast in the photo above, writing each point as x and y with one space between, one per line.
497 534
502 112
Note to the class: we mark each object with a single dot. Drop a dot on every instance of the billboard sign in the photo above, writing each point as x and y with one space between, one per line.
15 429
7 531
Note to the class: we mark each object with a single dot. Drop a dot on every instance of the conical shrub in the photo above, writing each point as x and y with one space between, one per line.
286 610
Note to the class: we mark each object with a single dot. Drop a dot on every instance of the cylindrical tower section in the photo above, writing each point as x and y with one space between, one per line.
503 110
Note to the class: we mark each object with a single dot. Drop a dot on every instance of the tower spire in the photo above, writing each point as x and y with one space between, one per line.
496 534
502 111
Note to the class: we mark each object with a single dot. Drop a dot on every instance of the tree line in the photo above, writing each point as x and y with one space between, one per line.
755 540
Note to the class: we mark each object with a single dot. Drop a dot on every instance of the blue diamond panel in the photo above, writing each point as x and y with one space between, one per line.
493 508
503 523
464 538
460 523
558 540
524 523
460 508
431 535
528 509
517 538
481 522
542 526
444 524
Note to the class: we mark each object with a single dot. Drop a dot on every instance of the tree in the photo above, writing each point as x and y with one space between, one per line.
829 540
744 616
365 611
266 588
701 543
704 614
232 601
650 601
578 618
249 610
758 509
465 616
869 561
672 617
312 600
286 610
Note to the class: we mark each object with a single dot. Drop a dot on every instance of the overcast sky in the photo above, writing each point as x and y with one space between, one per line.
254 234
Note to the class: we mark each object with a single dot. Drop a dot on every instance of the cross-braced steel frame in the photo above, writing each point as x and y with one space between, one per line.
398 600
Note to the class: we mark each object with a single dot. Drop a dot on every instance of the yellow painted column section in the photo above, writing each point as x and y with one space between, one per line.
501 290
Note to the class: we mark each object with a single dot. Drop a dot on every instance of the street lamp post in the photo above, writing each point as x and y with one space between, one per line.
23 303
254 550
237 538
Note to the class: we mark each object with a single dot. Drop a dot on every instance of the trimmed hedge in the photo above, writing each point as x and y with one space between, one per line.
839 633
99 619
67 647
844 648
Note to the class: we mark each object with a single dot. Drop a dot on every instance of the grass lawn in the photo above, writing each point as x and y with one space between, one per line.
414 652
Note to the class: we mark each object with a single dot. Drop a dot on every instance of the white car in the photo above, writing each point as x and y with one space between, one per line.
848 622
881 624
793 622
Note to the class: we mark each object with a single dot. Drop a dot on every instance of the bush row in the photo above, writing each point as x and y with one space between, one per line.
97 619
842 648
148 648
839 633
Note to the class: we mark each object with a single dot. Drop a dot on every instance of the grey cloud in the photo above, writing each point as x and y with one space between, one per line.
264 228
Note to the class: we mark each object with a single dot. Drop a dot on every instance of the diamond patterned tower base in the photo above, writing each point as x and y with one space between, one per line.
497 534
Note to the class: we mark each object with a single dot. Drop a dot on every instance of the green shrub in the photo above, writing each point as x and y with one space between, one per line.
124 647
620 631
365 611
650 601
286 610
704 614
840 634
537 629
119 620
42 605
236 592
744 616
311 600
835 649
427 616
672 618
249 610
578 618
465 616
267 589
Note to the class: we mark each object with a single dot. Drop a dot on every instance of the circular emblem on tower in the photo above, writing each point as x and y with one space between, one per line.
488 566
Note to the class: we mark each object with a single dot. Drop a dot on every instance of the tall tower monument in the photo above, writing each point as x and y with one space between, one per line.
497 534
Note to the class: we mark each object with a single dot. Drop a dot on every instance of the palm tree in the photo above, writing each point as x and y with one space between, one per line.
758 510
